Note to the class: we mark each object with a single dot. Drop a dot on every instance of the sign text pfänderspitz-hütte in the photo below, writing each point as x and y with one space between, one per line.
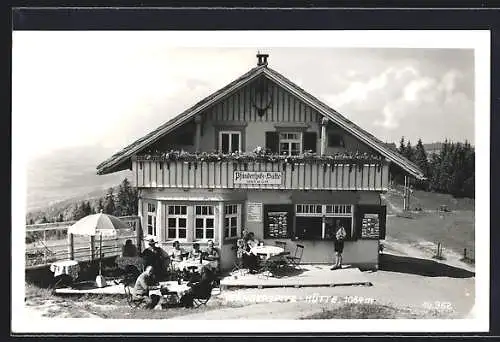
257 177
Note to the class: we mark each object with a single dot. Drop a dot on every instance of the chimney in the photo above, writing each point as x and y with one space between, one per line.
262 59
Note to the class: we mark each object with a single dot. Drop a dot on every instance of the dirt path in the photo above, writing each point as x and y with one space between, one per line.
448 297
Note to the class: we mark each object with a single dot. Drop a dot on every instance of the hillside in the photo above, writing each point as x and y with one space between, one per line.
68 173
55 182
455 229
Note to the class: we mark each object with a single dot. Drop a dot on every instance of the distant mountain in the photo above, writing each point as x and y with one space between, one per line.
69 174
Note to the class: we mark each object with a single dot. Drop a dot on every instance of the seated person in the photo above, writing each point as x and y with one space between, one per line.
200 287
143 284
177 252
249 260
251 241
195 253
211 254
241 248
155 256
129 249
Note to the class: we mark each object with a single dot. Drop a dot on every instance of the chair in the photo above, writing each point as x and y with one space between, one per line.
295 259
202 293
132 302
270 266
281 244
238 263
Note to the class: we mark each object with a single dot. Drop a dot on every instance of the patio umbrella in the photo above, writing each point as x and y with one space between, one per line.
99 225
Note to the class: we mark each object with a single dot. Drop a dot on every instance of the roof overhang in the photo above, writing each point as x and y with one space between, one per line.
117 161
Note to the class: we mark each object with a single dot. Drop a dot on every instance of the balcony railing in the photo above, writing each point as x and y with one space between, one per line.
258 174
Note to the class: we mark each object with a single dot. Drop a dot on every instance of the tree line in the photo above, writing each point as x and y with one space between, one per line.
123 203
450 171
120 202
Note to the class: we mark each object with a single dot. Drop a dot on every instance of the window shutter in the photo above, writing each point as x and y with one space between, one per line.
272 142
361 210
356 229
309 141
382 217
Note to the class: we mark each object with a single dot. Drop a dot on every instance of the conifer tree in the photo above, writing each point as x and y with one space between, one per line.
109 203
420 158
402 148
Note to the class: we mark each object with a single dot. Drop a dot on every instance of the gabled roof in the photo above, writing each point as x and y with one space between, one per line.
115 162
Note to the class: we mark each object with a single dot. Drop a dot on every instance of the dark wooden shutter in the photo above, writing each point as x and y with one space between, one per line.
382 217
361 210
356 230
272 142
285 230
309 141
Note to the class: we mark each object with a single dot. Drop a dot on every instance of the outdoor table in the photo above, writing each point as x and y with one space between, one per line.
268 251
172 288
123 262
186 264
68 267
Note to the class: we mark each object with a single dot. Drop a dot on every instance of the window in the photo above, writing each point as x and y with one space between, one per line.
335 140
319 221
151 219
338 210
290 143
229 141
176 221
309 209
204 222
231 220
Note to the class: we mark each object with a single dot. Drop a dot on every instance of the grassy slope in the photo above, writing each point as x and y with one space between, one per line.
454 229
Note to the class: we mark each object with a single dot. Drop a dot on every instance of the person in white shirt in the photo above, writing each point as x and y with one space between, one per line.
177 252
340 235
195 253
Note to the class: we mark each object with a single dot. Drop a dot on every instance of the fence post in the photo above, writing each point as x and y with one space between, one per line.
71 246
138 232
92 248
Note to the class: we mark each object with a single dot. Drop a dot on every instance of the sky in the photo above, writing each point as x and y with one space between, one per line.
107 89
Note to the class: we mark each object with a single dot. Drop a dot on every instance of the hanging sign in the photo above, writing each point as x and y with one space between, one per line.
257 177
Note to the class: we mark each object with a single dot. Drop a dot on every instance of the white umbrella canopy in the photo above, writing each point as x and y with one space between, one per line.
99 225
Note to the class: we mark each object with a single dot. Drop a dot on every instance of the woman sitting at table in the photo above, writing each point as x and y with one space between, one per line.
250 260
195 253
177 252
211 254
251 241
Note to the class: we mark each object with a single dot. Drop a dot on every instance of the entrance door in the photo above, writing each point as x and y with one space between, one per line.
309 228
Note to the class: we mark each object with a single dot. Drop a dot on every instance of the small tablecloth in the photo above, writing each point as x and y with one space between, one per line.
123 262
172 287
69 267
183 265
267 250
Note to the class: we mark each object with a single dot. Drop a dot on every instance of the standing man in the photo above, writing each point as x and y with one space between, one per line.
155 256
143 284
340 235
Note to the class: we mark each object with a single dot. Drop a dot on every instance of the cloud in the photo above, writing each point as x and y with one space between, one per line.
86 88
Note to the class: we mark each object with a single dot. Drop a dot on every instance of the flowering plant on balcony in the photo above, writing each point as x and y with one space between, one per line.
260 154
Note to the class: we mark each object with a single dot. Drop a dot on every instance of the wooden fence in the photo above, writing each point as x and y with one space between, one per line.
46 243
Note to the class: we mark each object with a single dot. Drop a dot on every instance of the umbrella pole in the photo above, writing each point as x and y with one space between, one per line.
100 254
